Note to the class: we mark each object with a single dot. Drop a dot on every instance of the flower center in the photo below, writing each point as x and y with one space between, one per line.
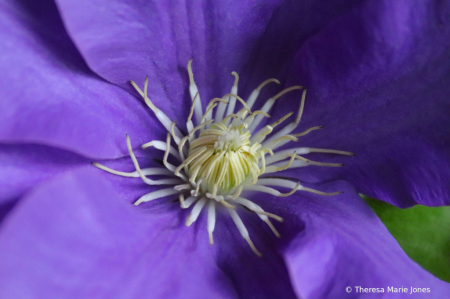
223 156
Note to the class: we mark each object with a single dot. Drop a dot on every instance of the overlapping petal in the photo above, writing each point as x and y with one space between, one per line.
335 242
49 95
75 238
26 166
379 81
129 40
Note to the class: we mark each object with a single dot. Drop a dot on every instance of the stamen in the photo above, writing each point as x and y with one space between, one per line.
254 95
167 164
257 209
274 168
189 201
269 105
234 89
261 214
195 211
135 174
274 144
244 232
239 99
281 120
163 119
155 195
238 192
162 146
193 90
182 187
330 151
272 191
291 127
251 117
229 206
302 104
320 192
211 220
181 197
138 169
307 131
172 131
189 123
318 163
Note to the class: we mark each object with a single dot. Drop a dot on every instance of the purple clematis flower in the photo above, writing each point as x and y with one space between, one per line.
378 74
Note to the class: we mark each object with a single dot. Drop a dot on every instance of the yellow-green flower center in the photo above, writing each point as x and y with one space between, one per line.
224 156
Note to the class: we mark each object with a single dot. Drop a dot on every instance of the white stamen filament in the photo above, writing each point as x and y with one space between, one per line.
211 220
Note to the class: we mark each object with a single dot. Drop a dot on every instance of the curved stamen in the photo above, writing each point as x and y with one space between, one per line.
193 90
269 103
234 89
318 163
189 124
307 131
272 191
244 232
320 192
254 95
155 195
163 119
162 146
135 174
143 177
195 211
211 220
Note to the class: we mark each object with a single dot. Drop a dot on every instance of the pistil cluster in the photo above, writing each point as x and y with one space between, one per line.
223 156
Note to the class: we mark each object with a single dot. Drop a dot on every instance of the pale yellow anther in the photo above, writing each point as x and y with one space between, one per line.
191 74
239 99
290 193
144 95
284 91
261 112
288 137
302 104
267 82
181 198
268 150
307 131
281 120
238 192
281 168
320 192
314 162
229 206
207 113
274 230
215 100
236 78
172 131
192 108
200 126
225 120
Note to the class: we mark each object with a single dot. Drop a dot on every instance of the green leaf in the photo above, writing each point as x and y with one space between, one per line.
423 233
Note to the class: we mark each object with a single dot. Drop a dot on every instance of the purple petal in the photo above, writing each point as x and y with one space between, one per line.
88 243
49 96
129 40
343 243
379 81
25 166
